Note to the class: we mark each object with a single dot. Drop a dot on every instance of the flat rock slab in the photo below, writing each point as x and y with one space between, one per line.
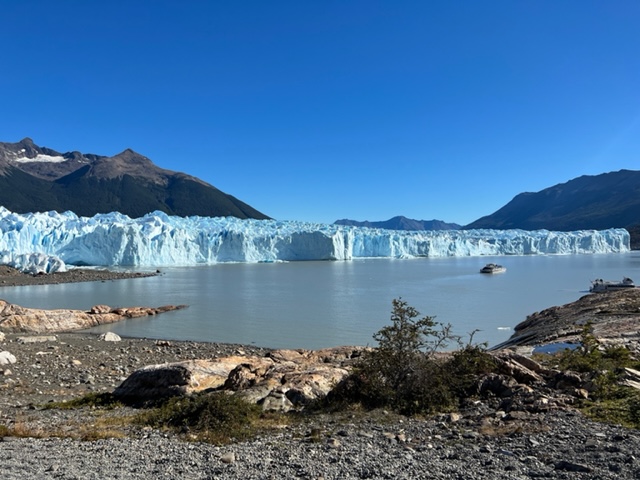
614 317
16 319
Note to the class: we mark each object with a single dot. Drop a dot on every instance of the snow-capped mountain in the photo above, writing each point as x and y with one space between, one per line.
38 179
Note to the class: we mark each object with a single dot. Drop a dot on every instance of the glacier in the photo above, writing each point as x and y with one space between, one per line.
33 263
52 240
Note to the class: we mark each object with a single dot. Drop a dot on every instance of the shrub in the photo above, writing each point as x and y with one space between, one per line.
610 401
214 417
405 374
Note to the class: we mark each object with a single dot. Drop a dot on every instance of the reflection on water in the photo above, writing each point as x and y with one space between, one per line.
321 304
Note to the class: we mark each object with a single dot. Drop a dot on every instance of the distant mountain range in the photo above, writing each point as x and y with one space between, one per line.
402 223
34 178
609 200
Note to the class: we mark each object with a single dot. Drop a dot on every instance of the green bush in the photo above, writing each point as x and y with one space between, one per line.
214 417
605 364
404 372
610 401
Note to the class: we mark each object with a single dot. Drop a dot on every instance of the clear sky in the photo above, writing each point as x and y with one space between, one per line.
319 109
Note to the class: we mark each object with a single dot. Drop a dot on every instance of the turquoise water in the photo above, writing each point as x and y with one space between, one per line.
322 304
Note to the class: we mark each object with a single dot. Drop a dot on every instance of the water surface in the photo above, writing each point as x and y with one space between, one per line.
322 304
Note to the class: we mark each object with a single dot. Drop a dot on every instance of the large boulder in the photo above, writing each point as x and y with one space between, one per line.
180 378
282 380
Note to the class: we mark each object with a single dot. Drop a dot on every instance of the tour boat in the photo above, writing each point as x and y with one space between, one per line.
600 285
493 268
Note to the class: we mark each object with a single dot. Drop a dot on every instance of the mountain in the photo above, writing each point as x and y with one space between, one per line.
34 178
402 223
609 200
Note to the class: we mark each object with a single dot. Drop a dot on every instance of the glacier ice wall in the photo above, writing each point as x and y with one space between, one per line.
160 240
33 263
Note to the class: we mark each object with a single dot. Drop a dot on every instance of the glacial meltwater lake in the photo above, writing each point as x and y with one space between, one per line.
324 304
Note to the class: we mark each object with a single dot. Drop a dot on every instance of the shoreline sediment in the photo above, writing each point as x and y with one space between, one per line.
10 277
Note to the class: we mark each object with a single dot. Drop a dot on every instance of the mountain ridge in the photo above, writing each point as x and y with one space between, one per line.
588 202
607 200
34 178
401 223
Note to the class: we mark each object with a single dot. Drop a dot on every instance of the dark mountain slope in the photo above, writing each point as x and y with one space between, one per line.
33 178
609 200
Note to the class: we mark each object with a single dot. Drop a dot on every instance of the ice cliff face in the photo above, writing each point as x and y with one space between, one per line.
160 240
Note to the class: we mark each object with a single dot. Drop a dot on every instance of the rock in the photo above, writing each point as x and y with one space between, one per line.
312 383
2 336
110 337
247 374
88 379
276 401
180 378
453 417
631 378
282 380
498 385
37 339
228 458
613 315
522 368
567 381
6 358
14 318
572 467
100 309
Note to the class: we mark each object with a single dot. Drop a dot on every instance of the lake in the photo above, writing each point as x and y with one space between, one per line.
324 304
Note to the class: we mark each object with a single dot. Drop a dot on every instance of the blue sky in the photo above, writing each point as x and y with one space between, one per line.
320 110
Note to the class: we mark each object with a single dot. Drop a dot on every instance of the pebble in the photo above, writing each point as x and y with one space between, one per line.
228 458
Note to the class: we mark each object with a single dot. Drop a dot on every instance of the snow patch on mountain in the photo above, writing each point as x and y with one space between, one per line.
41 158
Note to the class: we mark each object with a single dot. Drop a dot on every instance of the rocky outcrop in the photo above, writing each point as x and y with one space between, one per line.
284 380
614 317
281 380
14 318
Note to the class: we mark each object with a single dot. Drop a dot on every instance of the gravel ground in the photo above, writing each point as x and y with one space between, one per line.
481 444
69 444
565 446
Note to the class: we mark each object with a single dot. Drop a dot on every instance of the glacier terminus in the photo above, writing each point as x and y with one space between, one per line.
46 242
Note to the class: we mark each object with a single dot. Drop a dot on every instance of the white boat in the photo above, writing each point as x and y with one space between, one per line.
493 268
600 285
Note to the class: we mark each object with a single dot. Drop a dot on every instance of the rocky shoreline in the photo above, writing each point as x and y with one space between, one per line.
10 277
548 439
613 316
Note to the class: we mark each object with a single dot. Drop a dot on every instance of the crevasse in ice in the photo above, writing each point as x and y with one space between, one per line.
160 240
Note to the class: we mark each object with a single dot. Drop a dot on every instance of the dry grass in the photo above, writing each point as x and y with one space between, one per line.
93 426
